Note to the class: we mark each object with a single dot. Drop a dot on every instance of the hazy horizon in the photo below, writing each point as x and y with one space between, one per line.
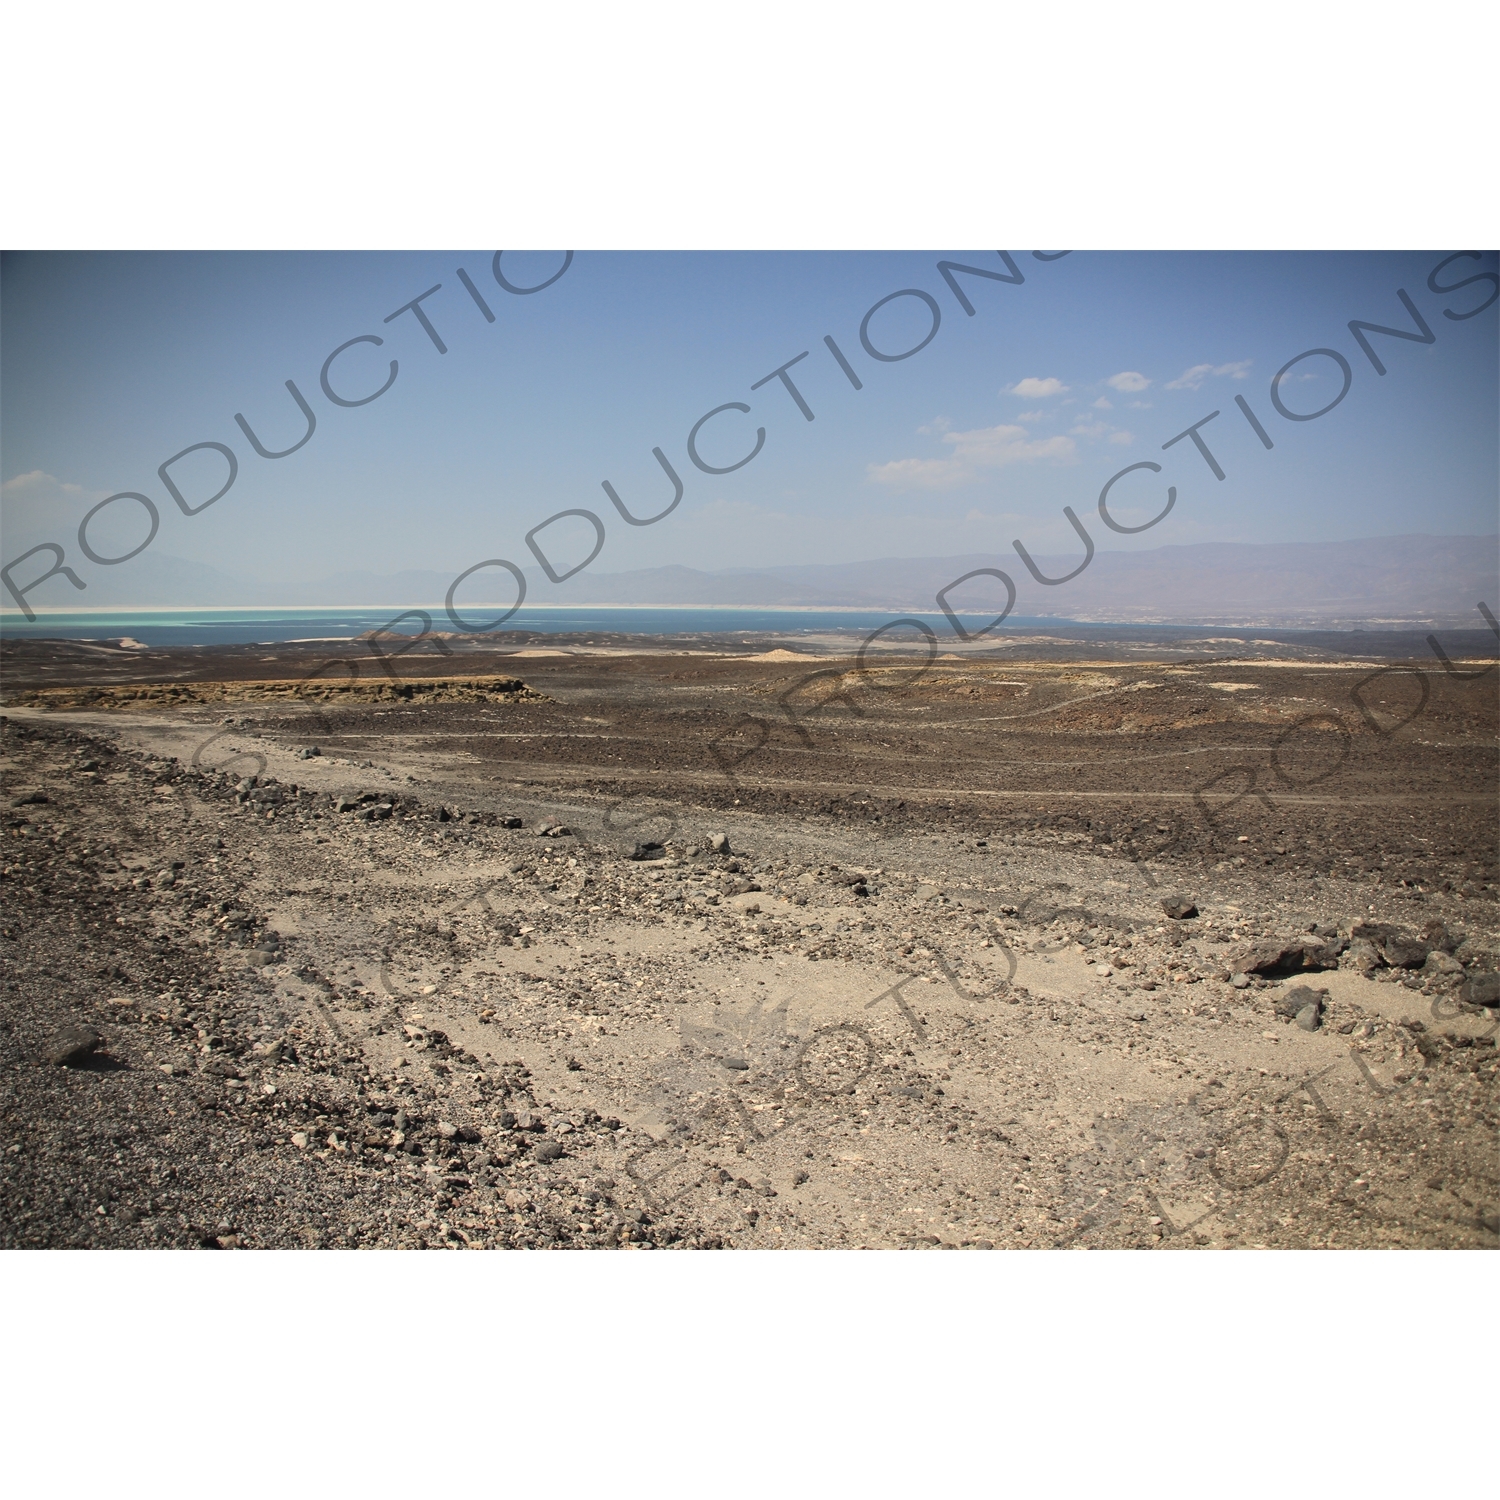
1415 579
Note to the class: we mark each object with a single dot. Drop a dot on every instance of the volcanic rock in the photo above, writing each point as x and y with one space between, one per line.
1285 956
72 1046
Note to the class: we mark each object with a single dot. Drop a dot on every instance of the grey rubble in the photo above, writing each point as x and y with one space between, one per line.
235 1015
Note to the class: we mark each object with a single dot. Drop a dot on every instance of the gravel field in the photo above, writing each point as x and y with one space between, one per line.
685 948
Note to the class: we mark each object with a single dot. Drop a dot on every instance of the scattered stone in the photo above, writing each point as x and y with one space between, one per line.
1276 956
29 799
1291 1003
1179 907
1397 948
509 1188
1483 989
1435 934
308 752
72 1046
1402 952
1430 1047
719 843
647 851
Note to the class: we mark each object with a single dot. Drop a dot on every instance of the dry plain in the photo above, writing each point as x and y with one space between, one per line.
588 941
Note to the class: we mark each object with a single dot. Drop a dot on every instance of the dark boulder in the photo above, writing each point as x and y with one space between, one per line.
1404 952
1303 1005
1436 935
1278 956
1398 948
1483 989
1297 999
71 1047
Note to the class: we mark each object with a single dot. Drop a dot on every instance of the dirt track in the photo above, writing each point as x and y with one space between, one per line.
882 1019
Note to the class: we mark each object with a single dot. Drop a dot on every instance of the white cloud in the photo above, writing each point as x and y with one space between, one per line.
39 484
1035 388
1097 430
1104 404
982 448
934 427
41 500
1191 379
993 447
919 473
1139 405
39 507
1033 416
1128 381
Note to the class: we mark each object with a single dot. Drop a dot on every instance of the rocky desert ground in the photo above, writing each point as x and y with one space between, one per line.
1149 941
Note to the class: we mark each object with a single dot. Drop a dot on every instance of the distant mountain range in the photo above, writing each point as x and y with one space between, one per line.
1418 580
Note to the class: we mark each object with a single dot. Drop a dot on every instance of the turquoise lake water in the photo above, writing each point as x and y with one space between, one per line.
226 627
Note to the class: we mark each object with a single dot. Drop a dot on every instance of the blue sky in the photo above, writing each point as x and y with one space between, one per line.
112 363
